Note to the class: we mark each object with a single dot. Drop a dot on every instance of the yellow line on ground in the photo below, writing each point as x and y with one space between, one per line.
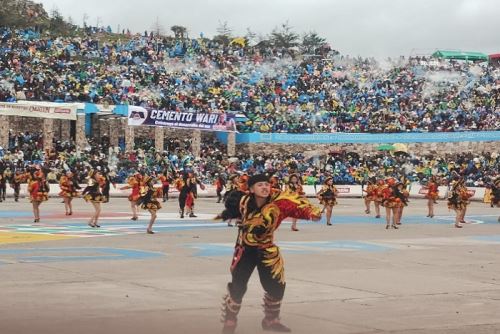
16 238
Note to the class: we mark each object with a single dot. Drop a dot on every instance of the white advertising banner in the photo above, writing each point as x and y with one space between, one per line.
39 109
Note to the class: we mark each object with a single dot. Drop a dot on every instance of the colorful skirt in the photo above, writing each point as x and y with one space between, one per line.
392 203
151 205
68 194
328 201
39 197
433 195
370 197
133 198
457 205
94 197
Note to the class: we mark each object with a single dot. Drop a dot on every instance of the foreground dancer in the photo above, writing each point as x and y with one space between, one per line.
92 193
149 201
261 212
327 197
38 189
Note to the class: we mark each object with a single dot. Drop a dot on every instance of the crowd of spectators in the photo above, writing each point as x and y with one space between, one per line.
277 90
25 151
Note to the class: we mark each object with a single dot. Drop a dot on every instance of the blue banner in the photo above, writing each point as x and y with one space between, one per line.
364 138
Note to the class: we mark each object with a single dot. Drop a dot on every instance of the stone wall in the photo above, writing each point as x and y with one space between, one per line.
416 148
61 127
116 128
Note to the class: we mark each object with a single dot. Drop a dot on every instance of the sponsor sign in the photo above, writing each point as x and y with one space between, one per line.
185 120
39 109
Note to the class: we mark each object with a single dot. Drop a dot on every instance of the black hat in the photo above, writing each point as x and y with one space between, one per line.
257 178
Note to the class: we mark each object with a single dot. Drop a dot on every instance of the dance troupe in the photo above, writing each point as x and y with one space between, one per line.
257 205
144 193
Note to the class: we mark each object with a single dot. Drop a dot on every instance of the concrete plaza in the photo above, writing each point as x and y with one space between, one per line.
61 276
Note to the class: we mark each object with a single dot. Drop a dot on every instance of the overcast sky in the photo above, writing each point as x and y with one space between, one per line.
377 28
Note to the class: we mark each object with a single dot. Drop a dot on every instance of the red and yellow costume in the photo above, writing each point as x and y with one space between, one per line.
187 192
68 189
371 192
134 183
392 197
255 247
92 193
295 188
38 188
379 190
432 191
149 195
165 183
275 184
328 195
458 198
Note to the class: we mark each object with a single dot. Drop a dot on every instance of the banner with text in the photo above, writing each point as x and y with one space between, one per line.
39 109
186 120
368 138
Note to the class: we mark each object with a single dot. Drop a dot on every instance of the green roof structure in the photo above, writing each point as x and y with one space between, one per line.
461 55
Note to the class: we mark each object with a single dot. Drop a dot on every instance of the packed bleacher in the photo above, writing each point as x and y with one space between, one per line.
277 90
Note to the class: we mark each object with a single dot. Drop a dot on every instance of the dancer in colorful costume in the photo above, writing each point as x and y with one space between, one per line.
328 198
260 213
38 188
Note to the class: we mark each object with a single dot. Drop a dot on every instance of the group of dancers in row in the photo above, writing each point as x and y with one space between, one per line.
393 195
144 193
390 193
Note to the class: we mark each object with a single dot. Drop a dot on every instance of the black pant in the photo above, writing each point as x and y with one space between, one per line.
242 269
182 199
165 192
219 195
17 188
3 190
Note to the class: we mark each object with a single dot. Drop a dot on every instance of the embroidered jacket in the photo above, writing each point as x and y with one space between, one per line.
257 228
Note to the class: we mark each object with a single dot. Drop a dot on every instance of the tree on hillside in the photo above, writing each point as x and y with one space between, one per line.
57 23
180 32
224 33
284 37
311 41
224 29
251 37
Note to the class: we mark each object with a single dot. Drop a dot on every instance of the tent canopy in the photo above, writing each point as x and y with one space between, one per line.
385 147
495 56
460 55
